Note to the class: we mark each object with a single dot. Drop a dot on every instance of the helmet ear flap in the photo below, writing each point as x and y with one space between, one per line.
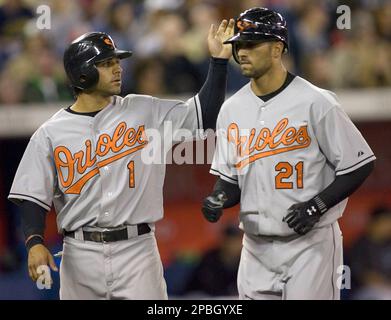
88 76
235 51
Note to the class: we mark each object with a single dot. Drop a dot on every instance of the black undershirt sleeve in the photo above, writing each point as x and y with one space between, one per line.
212 93
231 190
33 218
343 186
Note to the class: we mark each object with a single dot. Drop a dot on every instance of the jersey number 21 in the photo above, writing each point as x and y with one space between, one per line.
283 179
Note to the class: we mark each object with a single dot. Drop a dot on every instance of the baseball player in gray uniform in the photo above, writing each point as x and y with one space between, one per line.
87 161
290 155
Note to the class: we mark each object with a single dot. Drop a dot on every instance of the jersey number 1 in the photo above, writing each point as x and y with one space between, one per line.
285 172
131 174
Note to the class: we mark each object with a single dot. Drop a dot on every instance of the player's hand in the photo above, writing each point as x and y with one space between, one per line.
216 38
212 206
39 255
303 216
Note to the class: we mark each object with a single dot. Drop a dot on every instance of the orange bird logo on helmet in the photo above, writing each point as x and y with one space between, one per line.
244 25
108 42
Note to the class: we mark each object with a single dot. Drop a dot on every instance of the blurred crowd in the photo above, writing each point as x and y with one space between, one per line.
168 38
212 273
370 258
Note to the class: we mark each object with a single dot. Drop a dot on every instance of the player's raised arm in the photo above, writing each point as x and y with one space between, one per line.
212 93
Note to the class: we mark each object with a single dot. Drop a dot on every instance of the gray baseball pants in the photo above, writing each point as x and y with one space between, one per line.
128 269
291 268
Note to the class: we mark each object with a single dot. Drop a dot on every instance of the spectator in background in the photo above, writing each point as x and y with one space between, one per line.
180 75
319 69
383 20
13 17
44 79
22 65
123 27
216 273
149 76
94 11
163 5
312 34
149 41
47 83
66 19
364 60
201 16
370 258
11 90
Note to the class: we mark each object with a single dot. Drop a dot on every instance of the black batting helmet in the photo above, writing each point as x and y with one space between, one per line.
82 55
259 24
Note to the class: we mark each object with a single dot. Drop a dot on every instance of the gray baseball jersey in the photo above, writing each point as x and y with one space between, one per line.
285 150
91 168
280 152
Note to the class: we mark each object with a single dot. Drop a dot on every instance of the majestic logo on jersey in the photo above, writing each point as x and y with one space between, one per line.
267 143
122 143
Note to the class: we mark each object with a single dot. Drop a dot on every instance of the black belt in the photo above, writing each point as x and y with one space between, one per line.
109 235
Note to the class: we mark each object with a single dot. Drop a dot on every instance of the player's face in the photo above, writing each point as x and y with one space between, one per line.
109 77
255 58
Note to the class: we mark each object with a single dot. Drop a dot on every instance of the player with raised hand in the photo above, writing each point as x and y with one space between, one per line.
86 161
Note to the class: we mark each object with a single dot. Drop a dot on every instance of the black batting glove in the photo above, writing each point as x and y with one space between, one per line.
212 206
303 216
